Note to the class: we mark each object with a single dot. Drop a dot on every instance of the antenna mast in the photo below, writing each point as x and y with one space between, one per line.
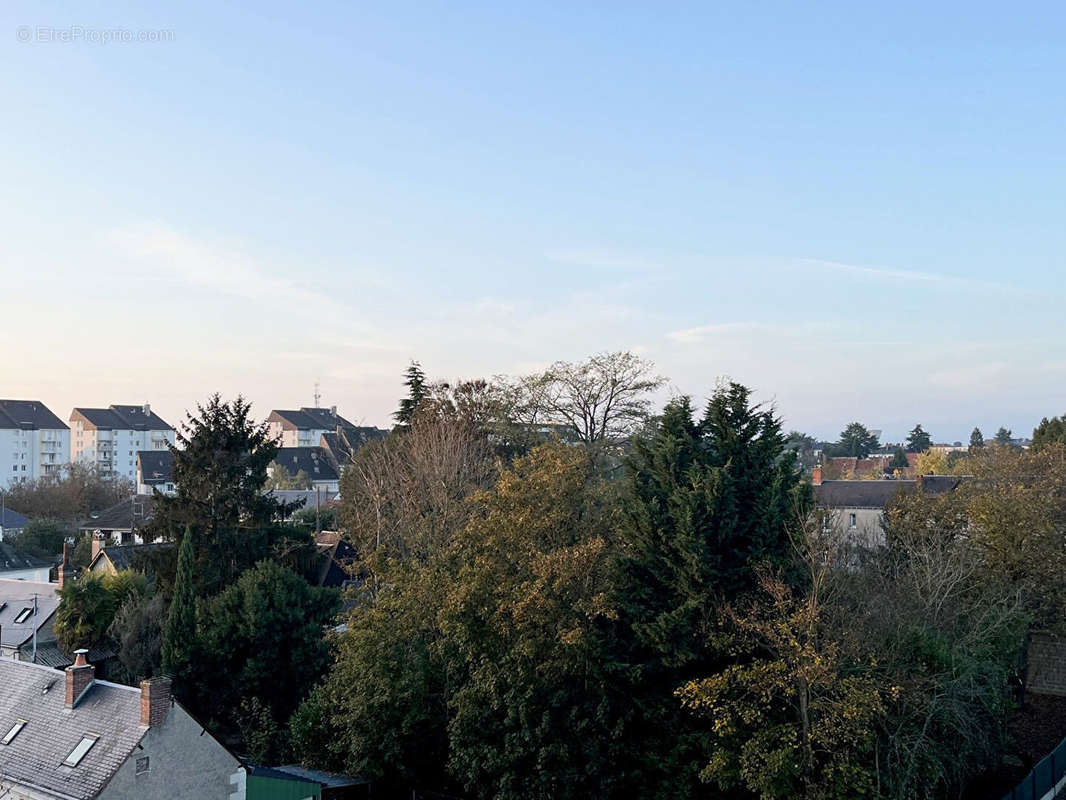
318 395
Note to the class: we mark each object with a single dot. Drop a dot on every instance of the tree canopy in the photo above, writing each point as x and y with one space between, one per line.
918 441
1050 431
855 441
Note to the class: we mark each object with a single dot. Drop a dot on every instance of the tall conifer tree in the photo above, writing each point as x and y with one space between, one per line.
179 633
708 501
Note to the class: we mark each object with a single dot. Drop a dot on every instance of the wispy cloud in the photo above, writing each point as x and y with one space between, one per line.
913 276
599 258
165 254
705 332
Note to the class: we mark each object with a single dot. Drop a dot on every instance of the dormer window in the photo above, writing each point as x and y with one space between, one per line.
11 734
78 753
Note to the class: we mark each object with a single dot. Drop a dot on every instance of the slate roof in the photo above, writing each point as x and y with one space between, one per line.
122 418
124 556
325 779
52 655
10 559
125 515
311 460
30 415
306 419
334 555
34 758
156 466
12 519
15 597
878 493
341 445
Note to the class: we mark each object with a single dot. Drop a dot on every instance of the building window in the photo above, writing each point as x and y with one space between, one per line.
11 734
142 765
23 615
78 753
852 519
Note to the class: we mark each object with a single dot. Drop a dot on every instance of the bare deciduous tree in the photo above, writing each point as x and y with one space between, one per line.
601 400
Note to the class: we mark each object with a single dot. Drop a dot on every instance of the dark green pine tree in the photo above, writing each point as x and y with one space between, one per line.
977 440
179 632
918 441
1050 431
899 460
707 502
416 392
1004 437
220 470
856 441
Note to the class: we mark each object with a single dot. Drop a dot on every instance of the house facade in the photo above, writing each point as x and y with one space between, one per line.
110 438
310 461
856 508
155 472
68 736
27 614
34 442
306 426
121 523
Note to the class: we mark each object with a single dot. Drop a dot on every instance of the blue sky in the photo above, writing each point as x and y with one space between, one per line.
857 211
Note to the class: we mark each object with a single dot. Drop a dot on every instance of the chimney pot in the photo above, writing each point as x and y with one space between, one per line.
147 409
816 476
80 676
156 700
98 544
333 410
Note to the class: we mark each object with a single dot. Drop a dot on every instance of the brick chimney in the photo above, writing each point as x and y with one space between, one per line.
816 476
155 701
63 573
98 544
79 677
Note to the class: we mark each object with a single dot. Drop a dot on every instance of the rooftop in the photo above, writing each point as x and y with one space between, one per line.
125 515
10 559
134 418
157 466
12 519
311 460
30 415
34 756
878 493
325 419
17 618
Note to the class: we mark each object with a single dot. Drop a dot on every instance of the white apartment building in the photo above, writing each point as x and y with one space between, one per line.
111 437
34 442
304 428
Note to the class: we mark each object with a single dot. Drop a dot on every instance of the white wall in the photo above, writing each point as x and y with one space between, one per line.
90 445
31 454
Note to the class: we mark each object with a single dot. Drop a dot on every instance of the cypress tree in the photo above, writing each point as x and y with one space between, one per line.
179 633
707 502
416 393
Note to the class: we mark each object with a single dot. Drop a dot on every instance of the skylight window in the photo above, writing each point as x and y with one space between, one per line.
23 615
11 734
78 753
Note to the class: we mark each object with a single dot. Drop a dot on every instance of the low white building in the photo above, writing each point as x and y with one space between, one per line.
34 442
110 438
